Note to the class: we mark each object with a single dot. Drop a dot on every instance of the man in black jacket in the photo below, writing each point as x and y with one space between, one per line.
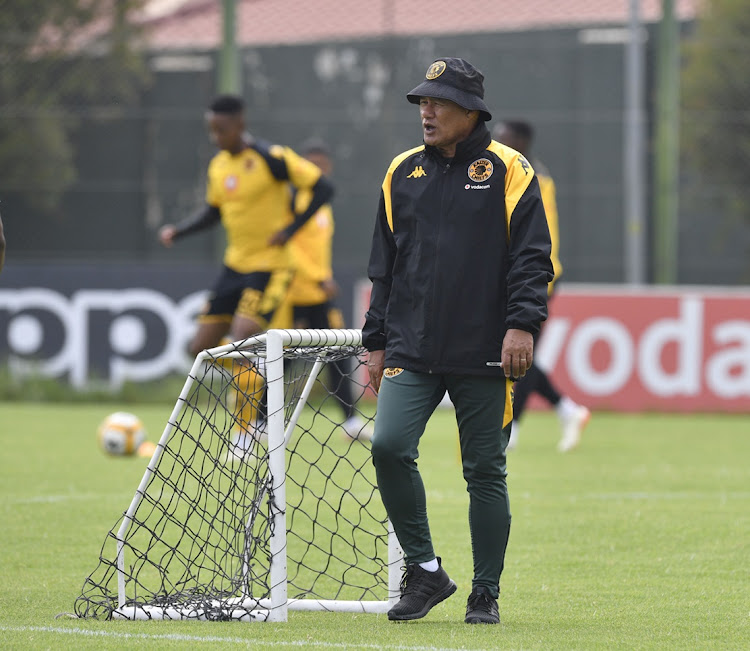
460 263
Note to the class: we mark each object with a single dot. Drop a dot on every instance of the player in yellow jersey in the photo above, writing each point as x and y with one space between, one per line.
248 192
313 289
519 135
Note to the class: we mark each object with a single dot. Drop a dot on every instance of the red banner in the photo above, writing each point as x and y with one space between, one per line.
647 349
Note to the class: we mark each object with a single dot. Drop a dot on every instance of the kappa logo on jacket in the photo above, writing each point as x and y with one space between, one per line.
418 172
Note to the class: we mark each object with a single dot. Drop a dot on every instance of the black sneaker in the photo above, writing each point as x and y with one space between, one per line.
420 591
481 607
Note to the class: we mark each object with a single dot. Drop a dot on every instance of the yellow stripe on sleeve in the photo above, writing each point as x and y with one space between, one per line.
387 182
518 177
547 190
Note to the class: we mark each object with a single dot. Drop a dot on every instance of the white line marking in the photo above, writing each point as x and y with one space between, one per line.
665 495
179 637
54 499
645 495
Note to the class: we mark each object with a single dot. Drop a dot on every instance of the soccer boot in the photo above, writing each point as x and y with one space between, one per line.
247 444
356 428
573 424
481 607
420 591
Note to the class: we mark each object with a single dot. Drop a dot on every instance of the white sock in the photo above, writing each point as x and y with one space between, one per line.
566 408
353 423
242 441
514 429
430 566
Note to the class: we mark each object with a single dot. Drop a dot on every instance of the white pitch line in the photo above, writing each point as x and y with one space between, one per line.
55 499
179 637
665 495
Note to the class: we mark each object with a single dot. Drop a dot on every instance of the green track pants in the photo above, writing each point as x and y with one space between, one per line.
483 412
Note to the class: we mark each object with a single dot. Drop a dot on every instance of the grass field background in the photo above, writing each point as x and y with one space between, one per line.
638 539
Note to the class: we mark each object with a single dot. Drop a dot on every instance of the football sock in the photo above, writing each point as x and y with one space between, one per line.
430 566
250 388
566 408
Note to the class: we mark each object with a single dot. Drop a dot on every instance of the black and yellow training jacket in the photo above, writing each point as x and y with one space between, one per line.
460 253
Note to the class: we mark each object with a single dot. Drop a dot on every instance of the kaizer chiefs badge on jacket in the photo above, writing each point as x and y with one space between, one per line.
480 170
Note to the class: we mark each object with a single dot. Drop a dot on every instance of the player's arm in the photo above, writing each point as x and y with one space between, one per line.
530 268
322 192
549 199
2 245
287 165
206 217
380 271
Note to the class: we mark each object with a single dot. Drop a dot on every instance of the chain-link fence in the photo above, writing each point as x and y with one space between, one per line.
102 138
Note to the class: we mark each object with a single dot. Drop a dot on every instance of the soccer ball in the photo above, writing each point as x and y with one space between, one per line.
121 434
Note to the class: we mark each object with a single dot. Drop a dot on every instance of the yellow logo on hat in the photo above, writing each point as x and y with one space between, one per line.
480 170
435 70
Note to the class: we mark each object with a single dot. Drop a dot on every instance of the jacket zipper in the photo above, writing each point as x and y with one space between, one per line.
438 233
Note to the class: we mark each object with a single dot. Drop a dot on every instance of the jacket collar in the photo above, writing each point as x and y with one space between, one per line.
475 144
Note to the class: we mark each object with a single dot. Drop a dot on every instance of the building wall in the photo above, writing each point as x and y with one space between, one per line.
144 165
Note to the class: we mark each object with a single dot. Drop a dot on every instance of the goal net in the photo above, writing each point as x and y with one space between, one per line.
260 496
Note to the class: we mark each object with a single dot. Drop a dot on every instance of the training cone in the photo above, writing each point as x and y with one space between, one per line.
146 449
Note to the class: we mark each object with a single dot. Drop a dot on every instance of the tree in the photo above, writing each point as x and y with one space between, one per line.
716 99
56 59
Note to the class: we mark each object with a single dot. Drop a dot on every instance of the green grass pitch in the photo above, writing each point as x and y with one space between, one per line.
640 539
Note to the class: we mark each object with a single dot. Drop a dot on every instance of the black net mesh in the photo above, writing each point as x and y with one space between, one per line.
198 541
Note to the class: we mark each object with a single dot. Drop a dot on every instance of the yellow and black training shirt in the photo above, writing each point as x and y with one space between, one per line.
311 249
549 199
251 191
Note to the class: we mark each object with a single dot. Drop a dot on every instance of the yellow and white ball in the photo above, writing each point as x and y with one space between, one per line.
121 434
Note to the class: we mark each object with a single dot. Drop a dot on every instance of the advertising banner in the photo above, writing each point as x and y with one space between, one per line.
683 349
100 324
608 347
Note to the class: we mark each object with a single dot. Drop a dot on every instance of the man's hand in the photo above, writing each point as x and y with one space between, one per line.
166 235
375 368
278 239
518 352
330 288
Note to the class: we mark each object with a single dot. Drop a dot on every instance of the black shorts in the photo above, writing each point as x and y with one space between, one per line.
255 295
322 315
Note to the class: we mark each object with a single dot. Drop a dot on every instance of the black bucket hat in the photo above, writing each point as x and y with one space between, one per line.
456 80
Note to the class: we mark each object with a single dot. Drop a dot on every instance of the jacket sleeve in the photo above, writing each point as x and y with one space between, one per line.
549 199
380 271
322 192
529 265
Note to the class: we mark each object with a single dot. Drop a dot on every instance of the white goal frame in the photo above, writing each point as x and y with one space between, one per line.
274 609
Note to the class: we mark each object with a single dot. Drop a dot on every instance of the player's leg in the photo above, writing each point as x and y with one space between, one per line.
326 315
210 333
405 402
572 416
261 297
573 420
215 319
484 414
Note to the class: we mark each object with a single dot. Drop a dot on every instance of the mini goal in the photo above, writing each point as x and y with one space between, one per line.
293 522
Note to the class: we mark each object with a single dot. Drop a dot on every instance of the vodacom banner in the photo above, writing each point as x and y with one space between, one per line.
662 349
